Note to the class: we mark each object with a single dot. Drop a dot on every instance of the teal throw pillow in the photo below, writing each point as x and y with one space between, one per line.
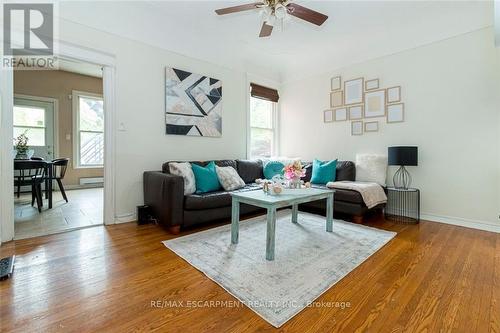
206 178
323 172
273 168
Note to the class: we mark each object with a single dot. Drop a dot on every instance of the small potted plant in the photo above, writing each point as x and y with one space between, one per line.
21 147
293 172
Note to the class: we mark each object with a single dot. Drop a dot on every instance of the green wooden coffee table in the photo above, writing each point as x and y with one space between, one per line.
272 203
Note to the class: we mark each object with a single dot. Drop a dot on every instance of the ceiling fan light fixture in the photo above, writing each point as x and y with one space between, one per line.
271 20
265 13
280 12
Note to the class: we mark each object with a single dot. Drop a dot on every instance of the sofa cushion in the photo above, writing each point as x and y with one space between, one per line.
206 178
207 200
371 168
184 170
221 163
250 170
229 178
323 171
213 199
273 168
346 170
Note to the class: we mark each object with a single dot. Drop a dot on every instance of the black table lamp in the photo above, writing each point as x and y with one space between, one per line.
402 156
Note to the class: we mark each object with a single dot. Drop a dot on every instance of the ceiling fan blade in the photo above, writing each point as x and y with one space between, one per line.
266 30
306 14
240 8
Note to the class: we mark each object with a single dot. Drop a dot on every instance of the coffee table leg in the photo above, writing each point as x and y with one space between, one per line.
329 213
235 221
295 212
271 228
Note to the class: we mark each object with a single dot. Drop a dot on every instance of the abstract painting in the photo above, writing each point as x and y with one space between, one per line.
193 104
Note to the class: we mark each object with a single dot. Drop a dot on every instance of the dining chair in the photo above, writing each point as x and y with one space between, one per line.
59 167
30 173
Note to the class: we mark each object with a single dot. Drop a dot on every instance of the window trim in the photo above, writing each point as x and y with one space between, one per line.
75 94
274 129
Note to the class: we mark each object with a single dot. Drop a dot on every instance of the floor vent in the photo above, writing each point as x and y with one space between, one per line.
6 267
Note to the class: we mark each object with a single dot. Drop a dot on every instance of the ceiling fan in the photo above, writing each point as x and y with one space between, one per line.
276 10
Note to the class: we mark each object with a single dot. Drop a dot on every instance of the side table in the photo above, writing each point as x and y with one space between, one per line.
403 205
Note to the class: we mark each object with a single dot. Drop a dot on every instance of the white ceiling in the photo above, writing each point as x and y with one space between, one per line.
355 31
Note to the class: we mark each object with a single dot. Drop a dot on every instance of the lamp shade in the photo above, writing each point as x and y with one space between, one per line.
403 155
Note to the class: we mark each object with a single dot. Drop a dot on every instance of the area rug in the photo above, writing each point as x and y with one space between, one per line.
308 260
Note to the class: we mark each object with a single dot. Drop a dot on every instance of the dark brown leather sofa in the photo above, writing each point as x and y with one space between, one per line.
164 193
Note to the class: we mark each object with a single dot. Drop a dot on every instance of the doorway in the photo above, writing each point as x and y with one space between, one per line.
60 113
76 53
35 117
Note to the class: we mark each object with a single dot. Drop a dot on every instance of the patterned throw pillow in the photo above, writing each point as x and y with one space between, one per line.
184 170
229 178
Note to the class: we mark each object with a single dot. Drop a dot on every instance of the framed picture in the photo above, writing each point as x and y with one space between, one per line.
396 113
340 114
336 83
371 126
356 112
336 99
393 94
375 103
353 91
371 84
327 116
357 128
193 104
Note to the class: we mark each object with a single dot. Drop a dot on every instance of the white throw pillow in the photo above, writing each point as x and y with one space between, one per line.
371 168
184 170
229 178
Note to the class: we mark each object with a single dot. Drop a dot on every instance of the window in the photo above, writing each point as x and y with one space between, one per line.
262 127
88 130
31 121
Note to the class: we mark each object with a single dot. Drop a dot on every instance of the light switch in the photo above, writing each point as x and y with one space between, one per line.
121 127
68 137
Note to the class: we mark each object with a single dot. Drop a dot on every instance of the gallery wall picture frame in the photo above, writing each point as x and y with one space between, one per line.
396 113
356 128
356 112
393 94
371 126
340 114
353 91
336 83
371 84
328 116
375 103
336 98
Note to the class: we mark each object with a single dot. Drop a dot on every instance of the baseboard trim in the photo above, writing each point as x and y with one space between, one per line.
125 218
467 223
80 187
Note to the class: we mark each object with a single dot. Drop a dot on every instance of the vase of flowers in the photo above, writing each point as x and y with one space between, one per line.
21 147
294 172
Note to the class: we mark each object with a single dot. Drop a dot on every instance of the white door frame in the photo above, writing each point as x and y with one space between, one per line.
54 102
71 52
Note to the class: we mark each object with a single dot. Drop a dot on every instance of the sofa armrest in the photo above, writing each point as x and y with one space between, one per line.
164 193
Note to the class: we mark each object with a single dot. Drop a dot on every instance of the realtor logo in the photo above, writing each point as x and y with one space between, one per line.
28 29
29 32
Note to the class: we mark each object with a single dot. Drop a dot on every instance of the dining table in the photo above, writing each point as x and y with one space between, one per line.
49 177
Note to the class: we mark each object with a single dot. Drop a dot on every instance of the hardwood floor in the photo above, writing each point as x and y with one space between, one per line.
432 277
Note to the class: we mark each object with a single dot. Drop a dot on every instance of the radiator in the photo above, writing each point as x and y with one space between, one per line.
92 181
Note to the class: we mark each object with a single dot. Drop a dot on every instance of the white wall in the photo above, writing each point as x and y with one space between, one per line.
140 99
451 91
